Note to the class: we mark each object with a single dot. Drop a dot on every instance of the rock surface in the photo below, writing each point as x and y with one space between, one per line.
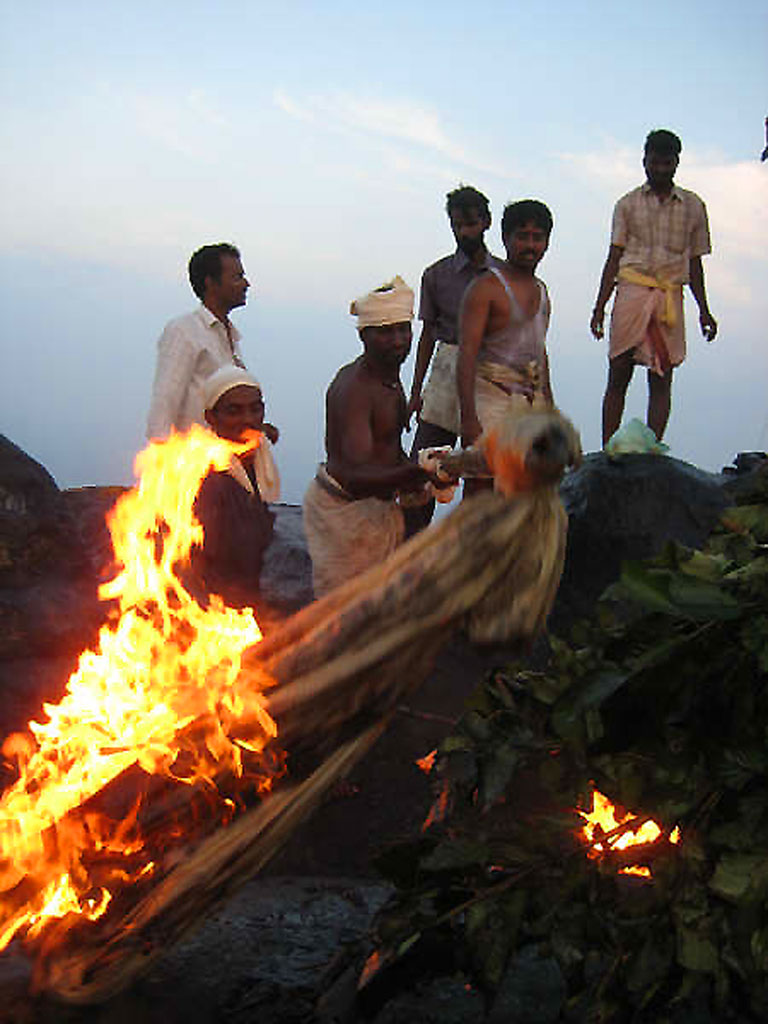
628 508
271 950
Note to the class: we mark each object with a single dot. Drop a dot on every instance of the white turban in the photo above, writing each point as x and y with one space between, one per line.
392 303
223 380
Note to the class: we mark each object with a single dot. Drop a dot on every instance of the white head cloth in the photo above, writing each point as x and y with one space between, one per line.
392 303
223 380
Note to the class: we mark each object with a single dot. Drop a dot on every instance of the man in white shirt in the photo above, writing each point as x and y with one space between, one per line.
195 345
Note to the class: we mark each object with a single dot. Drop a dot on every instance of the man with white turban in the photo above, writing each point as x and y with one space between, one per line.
352 518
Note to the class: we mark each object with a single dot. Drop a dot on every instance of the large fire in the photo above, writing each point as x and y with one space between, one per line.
159 693
602 820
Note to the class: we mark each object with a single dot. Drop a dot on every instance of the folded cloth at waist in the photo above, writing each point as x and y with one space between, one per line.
670 289
523 380
501 393
331 485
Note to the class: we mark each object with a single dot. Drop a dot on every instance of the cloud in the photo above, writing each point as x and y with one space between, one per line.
736 193
401 121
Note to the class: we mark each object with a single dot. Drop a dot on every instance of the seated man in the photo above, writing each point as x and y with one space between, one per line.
352 518
231 506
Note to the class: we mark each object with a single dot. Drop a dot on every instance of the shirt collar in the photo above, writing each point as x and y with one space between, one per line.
211 320
461 261
674 194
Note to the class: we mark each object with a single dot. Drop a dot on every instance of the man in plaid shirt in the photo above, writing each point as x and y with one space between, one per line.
659 234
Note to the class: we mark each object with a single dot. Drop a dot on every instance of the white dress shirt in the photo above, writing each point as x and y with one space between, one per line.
190 349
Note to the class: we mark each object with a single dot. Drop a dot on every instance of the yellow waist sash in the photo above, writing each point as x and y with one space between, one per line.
632 276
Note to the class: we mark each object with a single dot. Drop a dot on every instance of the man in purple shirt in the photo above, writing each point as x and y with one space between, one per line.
442 286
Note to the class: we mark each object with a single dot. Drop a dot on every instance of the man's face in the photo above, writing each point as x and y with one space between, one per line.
526 245
468 227
660 169
237 411
389 344
231 288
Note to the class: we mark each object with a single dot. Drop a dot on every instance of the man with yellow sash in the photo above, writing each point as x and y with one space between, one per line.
659 234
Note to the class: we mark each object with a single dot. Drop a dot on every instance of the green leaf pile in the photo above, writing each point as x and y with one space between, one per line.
660 702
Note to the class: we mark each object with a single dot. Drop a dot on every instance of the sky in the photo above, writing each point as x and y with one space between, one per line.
321 139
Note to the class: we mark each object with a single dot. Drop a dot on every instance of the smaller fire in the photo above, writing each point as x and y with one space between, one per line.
603 817
427 763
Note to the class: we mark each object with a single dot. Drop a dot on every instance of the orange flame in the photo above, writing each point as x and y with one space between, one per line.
427 763
603 817
160 691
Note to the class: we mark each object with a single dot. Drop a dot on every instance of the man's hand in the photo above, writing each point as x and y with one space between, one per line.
708 325
271 432
596 323
414 407
470 431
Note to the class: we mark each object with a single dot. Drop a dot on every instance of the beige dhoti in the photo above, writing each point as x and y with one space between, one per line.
647 318
346 536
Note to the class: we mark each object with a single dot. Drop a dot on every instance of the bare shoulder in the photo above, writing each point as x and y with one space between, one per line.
483 287
350 385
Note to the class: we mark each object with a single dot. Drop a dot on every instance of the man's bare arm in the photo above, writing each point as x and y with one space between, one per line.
607 283
473 321
424 354
696 279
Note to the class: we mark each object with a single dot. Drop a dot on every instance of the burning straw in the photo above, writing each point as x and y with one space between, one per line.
193 694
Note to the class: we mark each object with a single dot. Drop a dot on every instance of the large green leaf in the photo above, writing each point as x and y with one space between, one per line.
735 874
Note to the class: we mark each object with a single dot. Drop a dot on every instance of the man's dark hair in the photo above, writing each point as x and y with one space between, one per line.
663 142
466 198
206 262
525 210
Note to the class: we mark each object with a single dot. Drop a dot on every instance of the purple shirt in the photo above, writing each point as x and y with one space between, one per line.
442 286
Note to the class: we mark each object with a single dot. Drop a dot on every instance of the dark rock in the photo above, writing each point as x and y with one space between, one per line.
532 990
51 617
440 1001
628 508
286 579
747 462
36 533
88 508
263 956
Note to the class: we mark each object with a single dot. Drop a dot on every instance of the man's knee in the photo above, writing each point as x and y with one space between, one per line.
620 370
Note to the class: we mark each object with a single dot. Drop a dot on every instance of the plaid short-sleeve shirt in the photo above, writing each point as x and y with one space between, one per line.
660 237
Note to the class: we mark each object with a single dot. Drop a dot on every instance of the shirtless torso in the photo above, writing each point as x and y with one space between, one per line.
365 418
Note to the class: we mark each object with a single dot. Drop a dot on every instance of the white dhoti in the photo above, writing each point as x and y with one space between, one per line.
346 536
440 402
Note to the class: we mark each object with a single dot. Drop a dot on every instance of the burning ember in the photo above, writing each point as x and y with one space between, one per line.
159 693
601 821
427 763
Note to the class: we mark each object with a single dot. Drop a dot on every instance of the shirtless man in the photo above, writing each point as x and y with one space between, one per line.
503 365
351 517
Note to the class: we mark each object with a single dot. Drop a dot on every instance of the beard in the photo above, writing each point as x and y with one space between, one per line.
469 246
